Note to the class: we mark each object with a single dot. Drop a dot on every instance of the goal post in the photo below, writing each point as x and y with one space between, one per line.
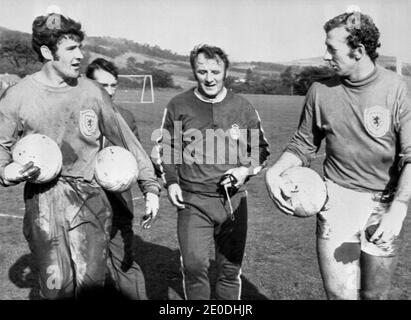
146 79
398 63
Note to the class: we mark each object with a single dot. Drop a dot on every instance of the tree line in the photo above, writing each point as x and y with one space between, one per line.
294 80
17 57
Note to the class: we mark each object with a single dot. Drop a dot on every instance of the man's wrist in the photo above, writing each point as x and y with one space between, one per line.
147 195
170 182
402 203
399 200
152 189
399 207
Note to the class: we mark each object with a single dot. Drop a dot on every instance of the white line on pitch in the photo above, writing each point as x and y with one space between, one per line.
133 102
10 216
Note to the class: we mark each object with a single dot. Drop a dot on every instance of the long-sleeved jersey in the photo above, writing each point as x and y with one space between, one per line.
76 117
203 139
366 126
130 120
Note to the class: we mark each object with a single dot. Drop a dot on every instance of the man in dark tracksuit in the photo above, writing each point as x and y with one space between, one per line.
124 272
212 143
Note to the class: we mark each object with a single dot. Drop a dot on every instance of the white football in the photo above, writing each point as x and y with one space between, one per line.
43 151
115 169
308 191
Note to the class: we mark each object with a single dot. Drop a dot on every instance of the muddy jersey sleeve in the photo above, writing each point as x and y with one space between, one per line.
130 120
403 124
10 129
306 141
116 130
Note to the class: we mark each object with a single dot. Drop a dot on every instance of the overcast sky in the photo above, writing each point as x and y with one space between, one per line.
259 30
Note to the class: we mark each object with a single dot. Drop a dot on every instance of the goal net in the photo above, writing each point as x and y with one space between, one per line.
139 88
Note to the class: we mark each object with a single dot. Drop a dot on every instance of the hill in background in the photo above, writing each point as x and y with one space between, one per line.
16 56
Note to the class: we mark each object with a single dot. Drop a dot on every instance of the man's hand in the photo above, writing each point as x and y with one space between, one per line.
278 191
152 206
240 174
175 195
15 173
391 223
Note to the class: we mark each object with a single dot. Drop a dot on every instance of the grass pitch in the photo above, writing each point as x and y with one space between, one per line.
280 261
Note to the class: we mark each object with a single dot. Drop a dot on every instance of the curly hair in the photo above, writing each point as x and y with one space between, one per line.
210 52
49 30
101 64
361 29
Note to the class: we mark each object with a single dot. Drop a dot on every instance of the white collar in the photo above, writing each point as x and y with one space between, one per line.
220 97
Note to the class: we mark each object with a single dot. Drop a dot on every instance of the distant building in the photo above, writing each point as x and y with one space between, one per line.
6 80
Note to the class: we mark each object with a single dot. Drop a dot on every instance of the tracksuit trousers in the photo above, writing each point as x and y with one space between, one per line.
206 220
124 273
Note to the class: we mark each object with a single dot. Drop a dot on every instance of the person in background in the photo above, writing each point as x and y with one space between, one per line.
124 273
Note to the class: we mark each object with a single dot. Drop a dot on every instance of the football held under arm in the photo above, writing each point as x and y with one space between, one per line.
116 130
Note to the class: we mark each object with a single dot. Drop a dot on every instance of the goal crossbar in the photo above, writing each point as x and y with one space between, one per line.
144 77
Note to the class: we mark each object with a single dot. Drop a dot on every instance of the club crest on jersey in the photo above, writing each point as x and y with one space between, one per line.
235 132
377 121
88 122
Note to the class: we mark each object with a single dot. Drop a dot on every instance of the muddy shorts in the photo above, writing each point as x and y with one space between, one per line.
348 214
67 225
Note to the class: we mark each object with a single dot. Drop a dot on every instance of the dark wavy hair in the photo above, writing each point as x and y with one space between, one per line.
49 30
362 30
210 52
101 64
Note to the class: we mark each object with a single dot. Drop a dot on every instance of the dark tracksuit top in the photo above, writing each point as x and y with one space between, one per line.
215 136
199 165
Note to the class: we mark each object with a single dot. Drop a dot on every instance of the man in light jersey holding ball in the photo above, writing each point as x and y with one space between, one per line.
67 220
364 115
